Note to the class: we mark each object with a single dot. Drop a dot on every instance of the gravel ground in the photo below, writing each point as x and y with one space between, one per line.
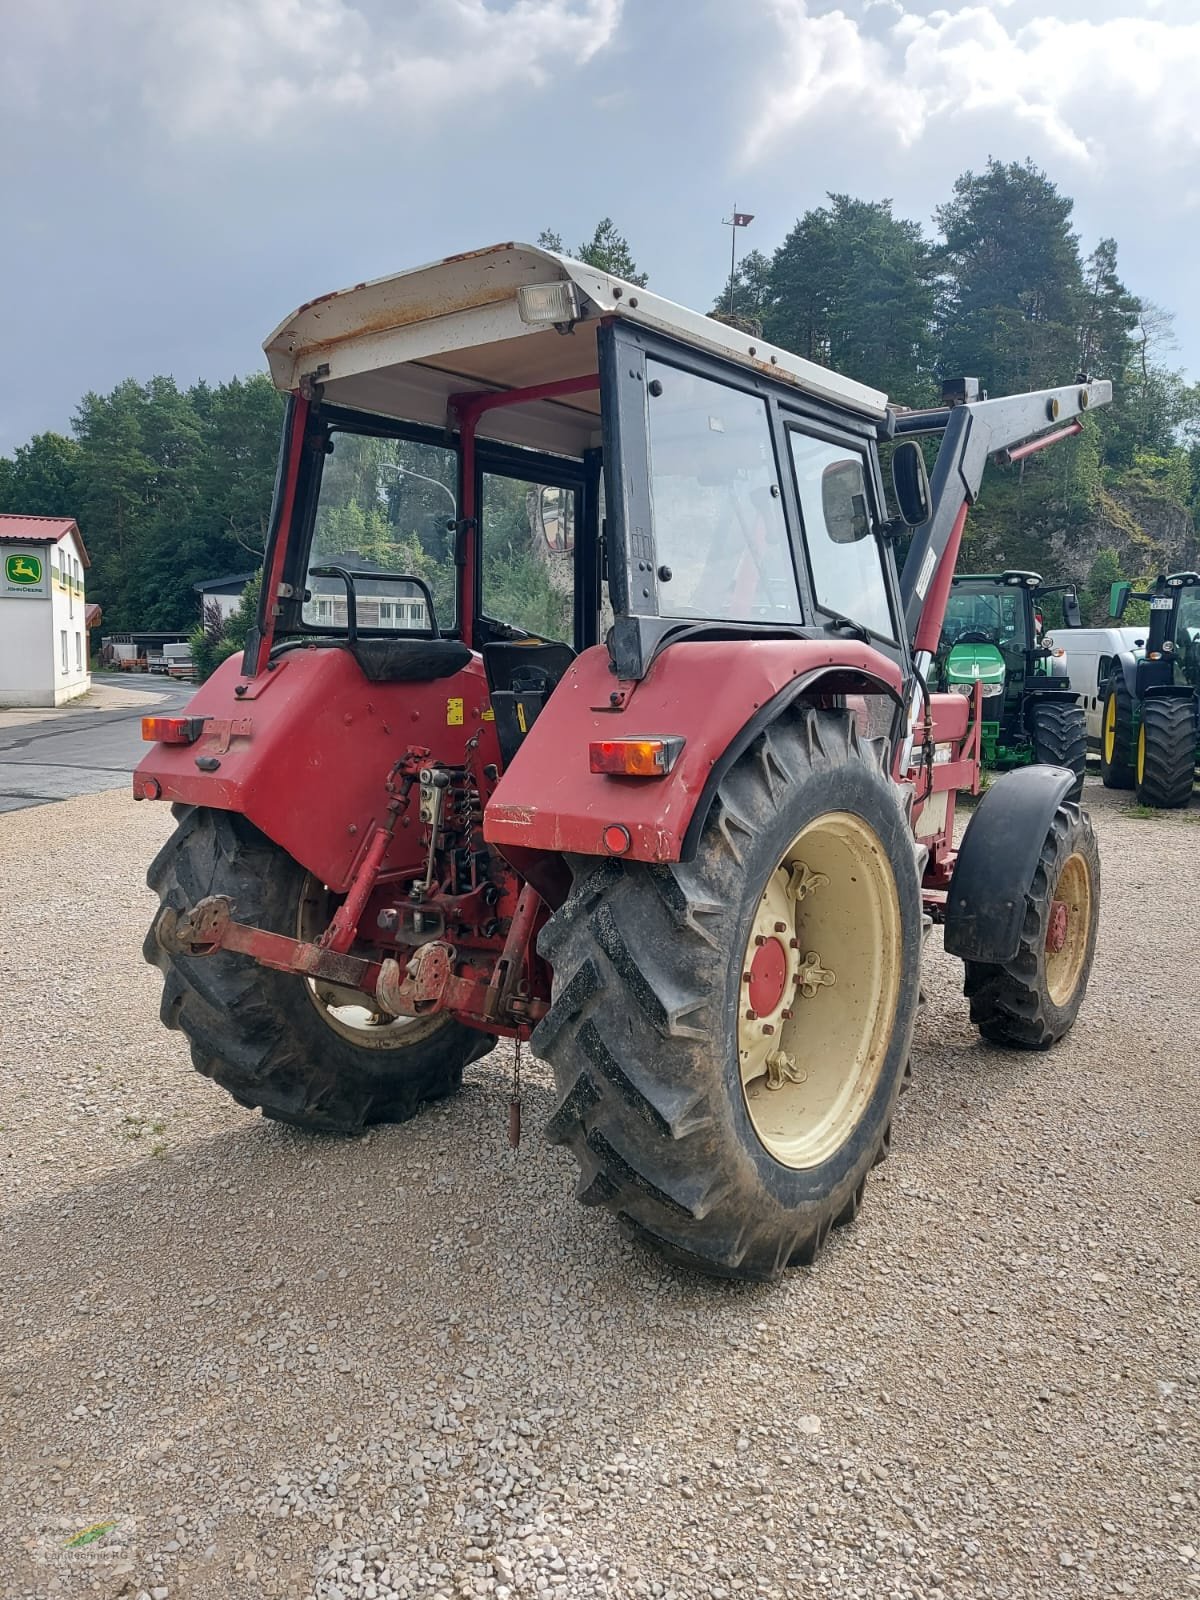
238 1361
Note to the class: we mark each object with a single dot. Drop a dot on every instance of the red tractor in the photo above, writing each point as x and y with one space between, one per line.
587 706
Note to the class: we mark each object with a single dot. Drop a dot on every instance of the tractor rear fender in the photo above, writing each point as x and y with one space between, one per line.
303 752
715 695
1169 691
985 908
1052 691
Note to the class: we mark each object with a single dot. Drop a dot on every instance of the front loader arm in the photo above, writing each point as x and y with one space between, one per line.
1009 428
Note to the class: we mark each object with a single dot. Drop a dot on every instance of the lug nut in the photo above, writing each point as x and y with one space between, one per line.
752 1016
786 1015
760 939
793 944
781 927
768 1028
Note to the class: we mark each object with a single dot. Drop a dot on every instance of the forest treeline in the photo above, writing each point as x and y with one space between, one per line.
172 486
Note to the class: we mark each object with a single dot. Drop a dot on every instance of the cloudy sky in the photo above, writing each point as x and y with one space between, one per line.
176 177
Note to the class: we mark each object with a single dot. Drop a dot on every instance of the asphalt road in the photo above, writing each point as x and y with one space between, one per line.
56 755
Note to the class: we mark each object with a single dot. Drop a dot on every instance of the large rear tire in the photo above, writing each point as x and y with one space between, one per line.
1058 728
1116 736
1165 766
299 1051
729 1035
1032 1001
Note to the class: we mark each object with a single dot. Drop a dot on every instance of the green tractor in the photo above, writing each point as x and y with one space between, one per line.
1151 726
992 636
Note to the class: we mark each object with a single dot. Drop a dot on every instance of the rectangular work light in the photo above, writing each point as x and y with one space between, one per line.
549 302
635 758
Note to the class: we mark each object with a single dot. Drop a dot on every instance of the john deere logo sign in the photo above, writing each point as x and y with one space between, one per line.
23 569
24 577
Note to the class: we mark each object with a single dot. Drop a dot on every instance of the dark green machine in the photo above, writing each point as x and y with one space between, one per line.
1151 730
992 636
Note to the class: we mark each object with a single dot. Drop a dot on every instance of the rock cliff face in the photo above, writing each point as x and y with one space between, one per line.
1150 534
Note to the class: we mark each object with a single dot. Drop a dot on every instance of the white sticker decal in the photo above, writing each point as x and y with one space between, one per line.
927 566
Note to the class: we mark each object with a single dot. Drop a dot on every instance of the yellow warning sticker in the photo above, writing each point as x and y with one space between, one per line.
521 716
487 715
454 711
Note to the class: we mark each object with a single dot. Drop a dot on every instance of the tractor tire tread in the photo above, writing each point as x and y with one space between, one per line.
249 1028
1169 726
1008 1003
639 958
1058 726
1119 772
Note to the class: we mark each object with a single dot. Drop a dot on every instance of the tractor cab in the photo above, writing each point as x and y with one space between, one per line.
992 635
1150 735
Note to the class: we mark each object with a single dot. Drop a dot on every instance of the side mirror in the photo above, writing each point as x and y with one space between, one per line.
556 518
910 482
1118 599
1072 616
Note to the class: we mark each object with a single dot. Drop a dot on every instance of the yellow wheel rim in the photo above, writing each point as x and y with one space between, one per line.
1141 754
1064 966
1110 727
820 985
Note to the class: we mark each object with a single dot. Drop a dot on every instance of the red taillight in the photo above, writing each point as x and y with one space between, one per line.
635 758
616 839
172 730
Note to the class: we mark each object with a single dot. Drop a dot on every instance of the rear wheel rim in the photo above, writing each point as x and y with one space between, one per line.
819 990
347 1012
1110 727
1141 754
1066 965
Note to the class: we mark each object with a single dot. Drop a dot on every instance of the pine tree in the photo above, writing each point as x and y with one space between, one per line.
752 293
1013 283
607 250
852 287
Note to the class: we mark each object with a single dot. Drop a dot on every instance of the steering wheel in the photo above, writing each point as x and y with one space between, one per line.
976 636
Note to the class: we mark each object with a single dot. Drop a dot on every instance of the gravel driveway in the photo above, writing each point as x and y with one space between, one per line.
238 1361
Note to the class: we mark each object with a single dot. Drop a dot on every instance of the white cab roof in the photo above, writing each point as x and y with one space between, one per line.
401 346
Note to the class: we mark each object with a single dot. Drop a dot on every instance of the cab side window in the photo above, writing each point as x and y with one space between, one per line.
844 556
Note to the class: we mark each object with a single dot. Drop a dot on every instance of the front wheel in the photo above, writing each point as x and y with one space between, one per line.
1058 728
1116 736
300 1051
729 1035
1033 1000
1166 752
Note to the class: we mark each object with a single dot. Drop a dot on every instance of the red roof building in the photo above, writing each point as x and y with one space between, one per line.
43 611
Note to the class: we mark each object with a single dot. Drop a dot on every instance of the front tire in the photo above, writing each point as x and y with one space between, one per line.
1031 1001
795 935
1058 728
1166 752
295 1050
1116 736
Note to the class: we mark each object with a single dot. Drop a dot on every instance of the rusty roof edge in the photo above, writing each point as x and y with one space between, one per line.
381 304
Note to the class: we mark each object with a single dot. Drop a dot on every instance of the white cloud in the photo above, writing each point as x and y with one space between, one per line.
245 67
1100 94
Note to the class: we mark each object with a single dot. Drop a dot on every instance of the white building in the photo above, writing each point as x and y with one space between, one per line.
43 612
223 593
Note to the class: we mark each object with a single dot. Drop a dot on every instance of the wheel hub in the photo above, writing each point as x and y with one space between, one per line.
768 977
819 987
1056 932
